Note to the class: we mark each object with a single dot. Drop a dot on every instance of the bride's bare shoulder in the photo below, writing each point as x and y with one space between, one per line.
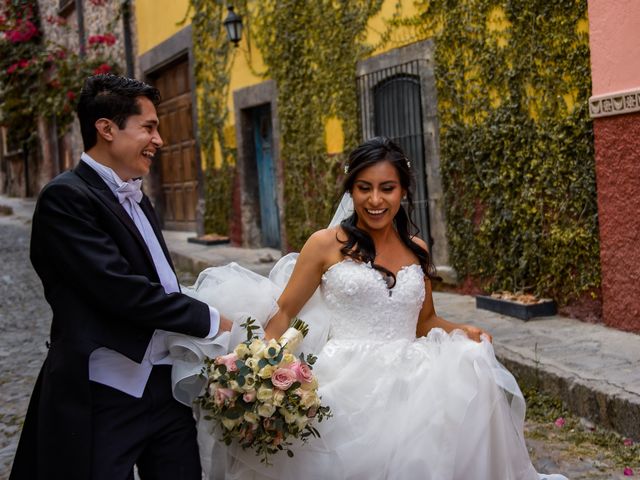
327 238
325 245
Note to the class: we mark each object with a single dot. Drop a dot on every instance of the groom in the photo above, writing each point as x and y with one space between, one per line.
103 401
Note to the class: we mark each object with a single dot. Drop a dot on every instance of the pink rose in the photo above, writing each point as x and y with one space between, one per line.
312 412
222 395
249 396
228 360
283 378
302 371
559 422
627 472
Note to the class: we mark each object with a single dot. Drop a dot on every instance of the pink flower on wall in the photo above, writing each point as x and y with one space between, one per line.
23 32
107 39
102 69
23 63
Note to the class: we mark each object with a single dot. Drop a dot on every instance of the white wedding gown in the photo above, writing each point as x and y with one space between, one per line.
439 407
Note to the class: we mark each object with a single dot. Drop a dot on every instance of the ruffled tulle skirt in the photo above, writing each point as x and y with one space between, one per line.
439 407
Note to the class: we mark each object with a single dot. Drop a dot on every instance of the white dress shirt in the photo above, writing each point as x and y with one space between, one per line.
107 366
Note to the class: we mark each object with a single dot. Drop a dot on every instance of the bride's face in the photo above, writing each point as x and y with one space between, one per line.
377 194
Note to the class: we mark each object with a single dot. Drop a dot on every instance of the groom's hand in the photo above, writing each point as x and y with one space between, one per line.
225 324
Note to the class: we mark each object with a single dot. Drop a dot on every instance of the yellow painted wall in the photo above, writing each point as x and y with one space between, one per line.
247 69
157 20
334 135
379 24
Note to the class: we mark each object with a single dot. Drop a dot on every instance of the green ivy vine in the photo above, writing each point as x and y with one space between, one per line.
516 141
310 50
213 55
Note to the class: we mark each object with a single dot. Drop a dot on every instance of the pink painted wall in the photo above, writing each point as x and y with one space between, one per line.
614 39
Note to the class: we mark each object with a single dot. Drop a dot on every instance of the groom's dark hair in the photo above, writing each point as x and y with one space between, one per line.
112 97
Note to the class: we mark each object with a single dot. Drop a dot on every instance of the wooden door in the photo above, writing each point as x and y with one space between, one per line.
178 162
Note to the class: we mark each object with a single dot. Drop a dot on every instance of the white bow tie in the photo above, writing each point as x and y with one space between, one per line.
130 190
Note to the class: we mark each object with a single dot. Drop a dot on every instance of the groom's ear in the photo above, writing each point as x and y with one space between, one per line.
104 127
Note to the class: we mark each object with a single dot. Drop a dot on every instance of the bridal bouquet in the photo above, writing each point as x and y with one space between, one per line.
261 395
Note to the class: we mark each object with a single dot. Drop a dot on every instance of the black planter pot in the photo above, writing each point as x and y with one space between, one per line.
515 309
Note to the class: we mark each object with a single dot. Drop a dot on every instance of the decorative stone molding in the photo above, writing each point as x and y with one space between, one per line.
614 103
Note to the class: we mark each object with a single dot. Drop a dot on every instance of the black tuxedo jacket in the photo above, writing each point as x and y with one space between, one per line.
103 288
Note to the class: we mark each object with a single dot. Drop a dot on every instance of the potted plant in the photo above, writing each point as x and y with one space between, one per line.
520 305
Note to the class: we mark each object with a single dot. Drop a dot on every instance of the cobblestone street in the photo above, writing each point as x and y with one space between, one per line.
24 325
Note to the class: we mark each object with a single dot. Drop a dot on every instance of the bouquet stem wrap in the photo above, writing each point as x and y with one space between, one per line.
293 336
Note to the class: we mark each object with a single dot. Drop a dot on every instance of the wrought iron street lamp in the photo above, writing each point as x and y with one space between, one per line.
233 24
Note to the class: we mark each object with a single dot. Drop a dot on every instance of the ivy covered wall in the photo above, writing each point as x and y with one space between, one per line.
311 49
513 81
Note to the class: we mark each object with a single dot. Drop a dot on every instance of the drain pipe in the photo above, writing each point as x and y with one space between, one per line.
128 47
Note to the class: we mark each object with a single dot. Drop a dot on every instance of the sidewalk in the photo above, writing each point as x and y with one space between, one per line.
595 370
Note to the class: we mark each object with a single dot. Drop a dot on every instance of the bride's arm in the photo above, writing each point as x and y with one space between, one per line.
428 318
315 257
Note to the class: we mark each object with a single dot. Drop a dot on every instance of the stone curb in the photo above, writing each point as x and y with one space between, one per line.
605 405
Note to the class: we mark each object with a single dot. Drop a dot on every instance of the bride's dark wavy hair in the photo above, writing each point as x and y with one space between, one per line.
359 244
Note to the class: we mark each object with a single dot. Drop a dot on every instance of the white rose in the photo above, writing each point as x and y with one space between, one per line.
251 417
265 394
242 350
309 399
252 363
288 416
273 344
267 371
288 358
266 410
249 383
278 397
230 423
256 346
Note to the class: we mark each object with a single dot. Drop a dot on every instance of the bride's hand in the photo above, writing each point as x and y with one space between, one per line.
475 333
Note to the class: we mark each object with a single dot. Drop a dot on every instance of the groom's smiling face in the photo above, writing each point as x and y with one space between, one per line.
133 147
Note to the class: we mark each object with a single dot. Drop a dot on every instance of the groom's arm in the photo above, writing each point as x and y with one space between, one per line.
68 237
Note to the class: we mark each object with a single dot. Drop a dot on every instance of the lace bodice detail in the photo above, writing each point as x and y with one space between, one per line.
360 305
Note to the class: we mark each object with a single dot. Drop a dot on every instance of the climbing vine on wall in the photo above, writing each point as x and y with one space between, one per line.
516 141
213 54
310 50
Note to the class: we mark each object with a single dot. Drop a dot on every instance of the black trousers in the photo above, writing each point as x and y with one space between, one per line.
155 432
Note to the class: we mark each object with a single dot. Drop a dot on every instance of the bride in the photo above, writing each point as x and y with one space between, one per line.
413 396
